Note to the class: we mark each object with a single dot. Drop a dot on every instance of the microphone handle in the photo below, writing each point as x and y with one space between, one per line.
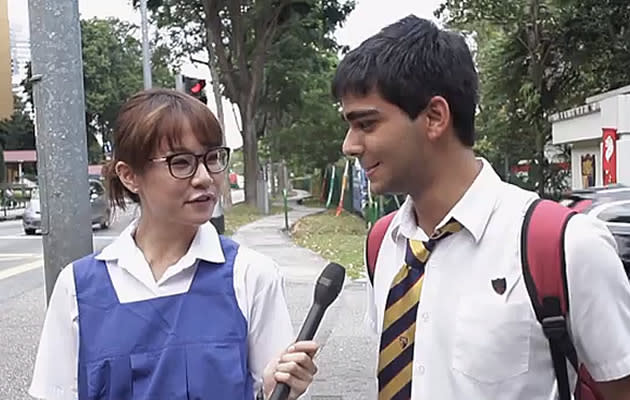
307 332
311 323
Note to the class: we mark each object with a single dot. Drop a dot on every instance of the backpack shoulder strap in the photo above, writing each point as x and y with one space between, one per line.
374 241
542 254
544 271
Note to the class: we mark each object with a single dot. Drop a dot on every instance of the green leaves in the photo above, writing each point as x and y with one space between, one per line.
537 57
112 70
17 132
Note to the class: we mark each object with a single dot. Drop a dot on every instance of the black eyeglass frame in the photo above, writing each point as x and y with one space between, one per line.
197 157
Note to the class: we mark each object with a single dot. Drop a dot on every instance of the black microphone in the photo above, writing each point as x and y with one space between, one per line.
327 288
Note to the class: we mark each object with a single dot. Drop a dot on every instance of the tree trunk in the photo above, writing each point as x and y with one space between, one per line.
536 71
540 150
218 99
273 167
250 154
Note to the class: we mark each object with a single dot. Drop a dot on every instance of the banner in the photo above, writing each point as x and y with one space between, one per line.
359 187
609 155
344 184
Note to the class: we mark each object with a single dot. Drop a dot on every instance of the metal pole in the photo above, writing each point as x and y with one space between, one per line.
146 53
285 197
61 134
179 82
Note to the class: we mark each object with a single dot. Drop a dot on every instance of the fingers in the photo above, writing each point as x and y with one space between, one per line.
300 363
306 346
298 379
296 367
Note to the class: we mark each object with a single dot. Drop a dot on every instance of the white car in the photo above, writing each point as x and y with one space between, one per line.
101 210
610 204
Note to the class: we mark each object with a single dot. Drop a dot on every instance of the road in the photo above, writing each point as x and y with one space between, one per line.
22 298
21 254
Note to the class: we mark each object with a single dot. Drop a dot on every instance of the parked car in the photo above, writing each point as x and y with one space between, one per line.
100 208
585 199
611 204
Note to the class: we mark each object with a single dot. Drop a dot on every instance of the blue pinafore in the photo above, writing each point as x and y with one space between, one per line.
191 346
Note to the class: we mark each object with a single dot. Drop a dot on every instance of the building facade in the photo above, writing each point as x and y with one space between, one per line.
598 134
6 73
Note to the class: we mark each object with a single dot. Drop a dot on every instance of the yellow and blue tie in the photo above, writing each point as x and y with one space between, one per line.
399 324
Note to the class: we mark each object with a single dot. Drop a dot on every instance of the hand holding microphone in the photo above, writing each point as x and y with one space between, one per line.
296 368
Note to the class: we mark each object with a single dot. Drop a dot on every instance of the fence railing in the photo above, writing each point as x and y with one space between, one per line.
14 196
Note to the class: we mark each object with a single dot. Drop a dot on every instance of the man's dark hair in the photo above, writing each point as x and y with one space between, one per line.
409 62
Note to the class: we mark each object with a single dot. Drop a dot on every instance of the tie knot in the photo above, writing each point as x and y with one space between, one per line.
418 251
451 227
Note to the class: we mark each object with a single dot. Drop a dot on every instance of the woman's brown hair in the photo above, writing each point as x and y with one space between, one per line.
144 123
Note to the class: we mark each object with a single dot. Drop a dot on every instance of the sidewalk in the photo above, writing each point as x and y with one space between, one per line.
11 214
347 359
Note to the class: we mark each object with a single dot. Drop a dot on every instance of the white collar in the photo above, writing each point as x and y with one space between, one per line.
473 210
205 246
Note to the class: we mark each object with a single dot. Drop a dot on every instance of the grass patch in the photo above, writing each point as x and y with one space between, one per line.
313 202
340 239
242 214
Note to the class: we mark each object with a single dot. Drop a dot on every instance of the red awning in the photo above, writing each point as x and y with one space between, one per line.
30 156
18 156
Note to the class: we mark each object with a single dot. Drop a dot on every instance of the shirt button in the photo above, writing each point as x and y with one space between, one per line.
425 317
420 370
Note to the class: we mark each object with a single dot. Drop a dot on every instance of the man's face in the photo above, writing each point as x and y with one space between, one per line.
387 142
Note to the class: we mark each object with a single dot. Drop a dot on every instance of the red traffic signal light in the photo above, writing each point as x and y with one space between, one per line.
198 87
195 87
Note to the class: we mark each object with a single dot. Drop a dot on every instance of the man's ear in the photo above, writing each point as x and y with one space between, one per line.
438 117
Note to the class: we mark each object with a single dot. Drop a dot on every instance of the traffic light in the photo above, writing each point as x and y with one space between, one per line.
195 87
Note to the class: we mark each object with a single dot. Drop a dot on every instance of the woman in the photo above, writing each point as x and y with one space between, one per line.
169 310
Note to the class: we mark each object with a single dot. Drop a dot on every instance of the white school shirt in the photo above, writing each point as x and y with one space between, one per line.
257 283
473 343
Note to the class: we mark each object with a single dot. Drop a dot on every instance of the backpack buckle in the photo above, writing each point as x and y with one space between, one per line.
554 327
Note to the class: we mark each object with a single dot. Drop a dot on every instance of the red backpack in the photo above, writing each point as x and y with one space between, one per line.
542 253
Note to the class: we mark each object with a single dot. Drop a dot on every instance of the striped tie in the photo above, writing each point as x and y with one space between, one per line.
399 324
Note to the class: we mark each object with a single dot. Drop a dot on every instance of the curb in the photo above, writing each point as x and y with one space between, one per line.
361 280
10 218
299 219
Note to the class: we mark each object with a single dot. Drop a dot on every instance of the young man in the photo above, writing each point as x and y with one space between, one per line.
409 94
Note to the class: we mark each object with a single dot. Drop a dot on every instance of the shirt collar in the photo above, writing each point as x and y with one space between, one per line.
205 246
473 210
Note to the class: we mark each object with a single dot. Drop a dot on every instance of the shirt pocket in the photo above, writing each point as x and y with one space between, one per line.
492 341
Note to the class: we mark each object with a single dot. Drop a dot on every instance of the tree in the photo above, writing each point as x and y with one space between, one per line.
112 72
296 116
537 57
304 125
240 35
17 132
517 45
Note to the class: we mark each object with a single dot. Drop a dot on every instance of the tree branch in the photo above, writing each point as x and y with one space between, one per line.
264 36
237 41
216 47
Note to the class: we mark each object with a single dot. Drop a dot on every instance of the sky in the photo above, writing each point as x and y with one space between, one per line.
368 17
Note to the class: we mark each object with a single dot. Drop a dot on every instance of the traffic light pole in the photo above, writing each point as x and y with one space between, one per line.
181 85
146 53
60 134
